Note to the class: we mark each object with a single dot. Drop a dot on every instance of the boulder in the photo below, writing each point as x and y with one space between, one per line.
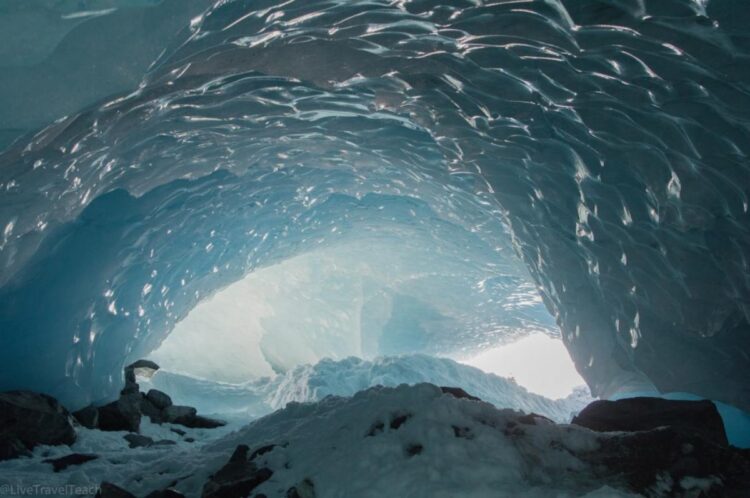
150 410
11 447
200 422
63 463
640 414
175 413
28 419
159 399
88 417
131 386
188 416
145 364
121 415
237 478
661 458
109 490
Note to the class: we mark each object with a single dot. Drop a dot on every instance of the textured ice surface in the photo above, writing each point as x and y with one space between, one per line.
351 375
603 141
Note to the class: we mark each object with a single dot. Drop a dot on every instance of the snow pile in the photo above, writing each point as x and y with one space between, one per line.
406 442
348 376
414 442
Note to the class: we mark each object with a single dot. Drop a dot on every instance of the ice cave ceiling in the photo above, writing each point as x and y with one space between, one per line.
463 152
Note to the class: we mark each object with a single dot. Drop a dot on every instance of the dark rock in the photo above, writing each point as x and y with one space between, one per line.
199 422
261 451
63 463
178 431
165 493
414 449
304 489
88 417
138 441
639 414
642 460
153 413
457 392
146 364
174 413
159 399
28 419
189 440
121 415
131 386
109 490
535 419
237 478
399 420
187 416
11 447
462 432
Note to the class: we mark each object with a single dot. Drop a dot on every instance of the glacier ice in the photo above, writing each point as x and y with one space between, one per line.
597 148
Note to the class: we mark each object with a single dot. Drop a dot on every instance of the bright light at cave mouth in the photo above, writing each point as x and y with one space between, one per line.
537 362
369 298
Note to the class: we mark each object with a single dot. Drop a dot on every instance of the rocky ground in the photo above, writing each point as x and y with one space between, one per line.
409 441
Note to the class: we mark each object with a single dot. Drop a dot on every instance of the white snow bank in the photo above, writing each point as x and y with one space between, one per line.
348 376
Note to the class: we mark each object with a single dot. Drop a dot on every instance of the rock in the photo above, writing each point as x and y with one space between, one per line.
138 441
535 419
457 392
150 410
165 493
109 490
237 478
175 413
639 414
146 364
88 417
12 448
662 457
187 416
199 422
159 399
131 386
121 415
63 463
28 419
262 451
178 431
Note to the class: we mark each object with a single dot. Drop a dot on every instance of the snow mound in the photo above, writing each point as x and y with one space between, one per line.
348 376
406 442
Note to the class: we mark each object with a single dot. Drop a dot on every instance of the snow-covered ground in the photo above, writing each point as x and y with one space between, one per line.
406 442
348 376
338 443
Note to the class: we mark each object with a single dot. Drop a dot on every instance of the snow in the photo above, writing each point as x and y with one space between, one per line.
348 376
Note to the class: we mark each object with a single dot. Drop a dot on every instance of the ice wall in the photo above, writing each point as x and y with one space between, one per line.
607 139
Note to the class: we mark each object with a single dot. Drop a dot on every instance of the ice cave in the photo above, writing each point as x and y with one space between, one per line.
375 248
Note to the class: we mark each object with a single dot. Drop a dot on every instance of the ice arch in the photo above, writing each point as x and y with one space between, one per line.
610 137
